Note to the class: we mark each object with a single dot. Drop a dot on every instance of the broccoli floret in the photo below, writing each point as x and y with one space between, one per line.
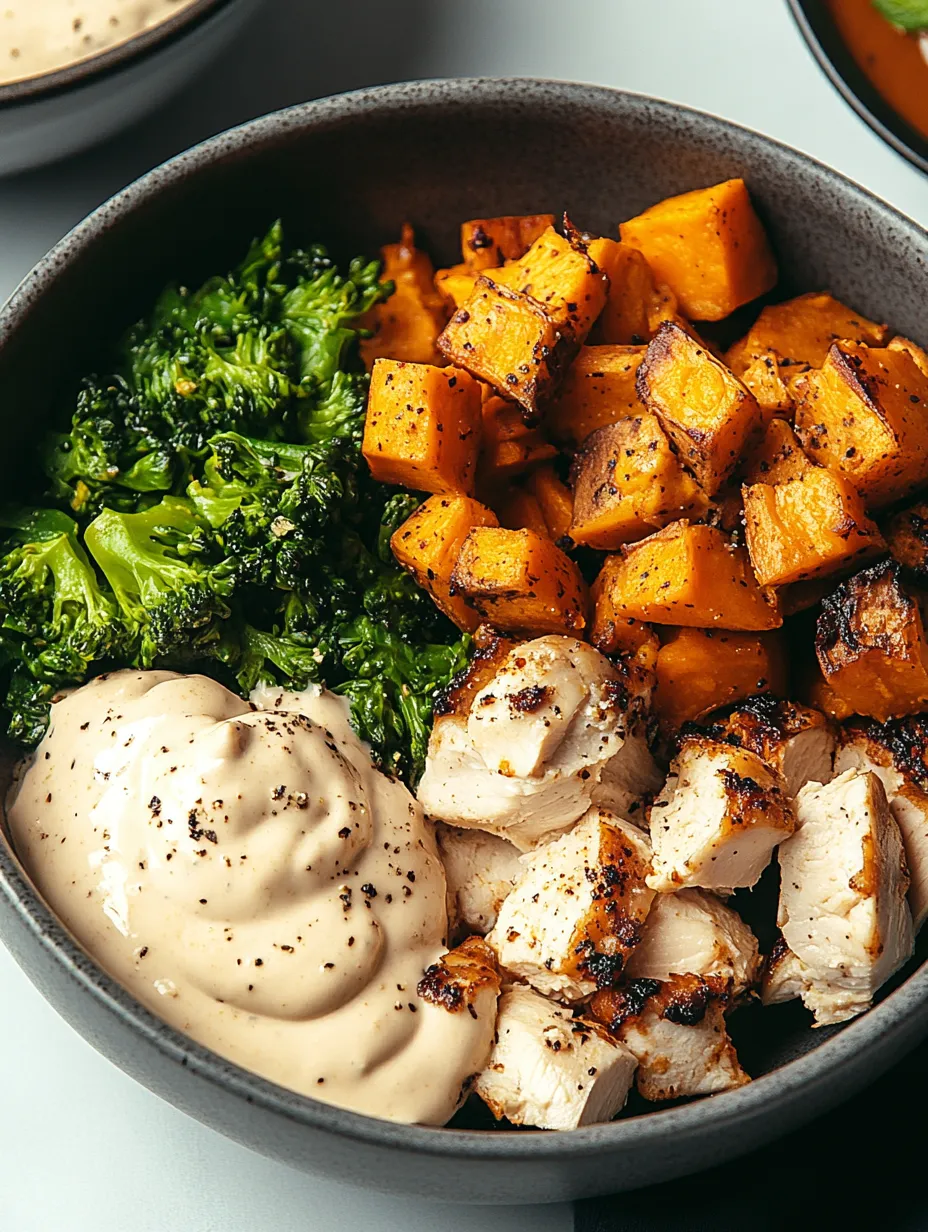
293 660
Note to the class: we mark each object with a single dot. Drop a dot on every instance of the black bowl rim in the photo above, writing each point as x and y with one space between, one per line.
853 85
104 63
881 1035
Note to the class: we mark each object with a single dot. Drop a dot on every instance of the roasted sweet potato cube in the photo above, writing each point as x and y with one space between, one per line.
709 246
700 670
521 582
428 544
488 242
422 429
692 575
801 330
865 413
871 645
508 447
519 510
558 274
704 408
626 318
599 389
765 380
907 536
806 528
912 348
407 325
777 457
554 499
455 285
628 482
507 340
612 633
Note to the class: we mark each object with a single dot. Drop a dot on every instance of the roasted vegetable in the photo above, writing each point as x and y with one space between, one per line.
508 446
488 242
519 510
691 575
626 318
423 425
911 15
701 670
618 635
554 500
765 380
407 325
913 349
558 274
777 457
808 527
871 645
520 582
455 285
709 246
865 413
705 410
599 389
907 537
801 331
628 482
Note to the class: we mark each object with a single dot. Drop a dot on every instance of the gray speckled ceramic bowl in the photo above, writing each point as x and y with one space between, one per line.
349 170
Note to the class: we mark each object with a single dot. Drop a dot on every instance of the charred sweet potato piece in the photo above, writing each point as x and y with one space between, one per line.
800 596
692 575
907 536
871 645
911 348
509 341
599 389
628 482
521 582
777 457
407 325
626 318
709 246
428 543
865 413
519 510
615 634
488 242
765 379
727 509
807 528
423 425
705 410
508 446
554 500
801 331
558 274
455 285
700 670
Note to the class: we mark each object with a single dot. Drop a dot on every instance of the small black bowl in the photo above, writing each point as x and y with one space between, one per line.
826 44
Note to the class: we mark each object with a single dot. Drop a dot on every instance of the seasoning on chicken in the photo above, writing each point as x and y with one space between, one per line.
794 740
577 911
523 755
480 869
676 1030
721 814
897 753
695 933
466 978
550 1070
843 882
784 976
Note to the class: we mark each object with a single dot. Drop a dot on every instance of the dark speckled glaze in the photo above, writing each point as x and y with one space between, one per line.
436 153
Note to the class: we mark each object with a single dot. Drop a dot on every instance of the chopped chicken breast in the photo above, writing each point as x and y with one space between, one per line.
843 883
676 1030
480 869
796 741
897 753
521 755
577 910
694 933
717 821
551 1070
784 977
464 979
629 779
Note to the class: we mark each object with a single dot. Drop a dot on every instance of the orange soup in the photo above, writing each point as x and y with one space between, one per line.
892 60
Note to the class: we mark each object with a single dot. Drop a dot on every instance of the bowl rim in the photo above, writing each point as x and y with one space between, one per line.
842 70
112 59
884 1033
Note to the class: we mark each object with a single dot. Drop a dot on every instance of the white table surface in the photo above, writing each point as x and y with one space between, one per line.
83 1148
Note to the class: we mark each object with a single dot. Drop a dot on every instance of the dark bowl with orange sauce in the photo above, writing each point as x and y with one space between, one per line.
879 70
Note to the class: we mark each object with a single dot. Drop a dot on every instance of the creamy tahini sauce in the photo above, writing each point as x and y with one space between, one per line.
39 36
251 878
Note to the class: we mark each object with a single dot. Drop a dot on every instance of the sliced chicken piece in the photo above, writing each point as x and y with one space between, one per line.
897 753
577 911
843 883
480 870
466 978
522 754
676 1030
716 823
796 741
551 1070
694 933
784 977
629 780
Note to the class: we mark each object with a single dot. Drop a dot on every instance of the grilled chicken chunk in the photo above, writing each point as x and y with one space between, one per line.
676 1030
784 976
694 933
480 870
717 821
897 753
843 882
523 754
577 910
551 1070
796 741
